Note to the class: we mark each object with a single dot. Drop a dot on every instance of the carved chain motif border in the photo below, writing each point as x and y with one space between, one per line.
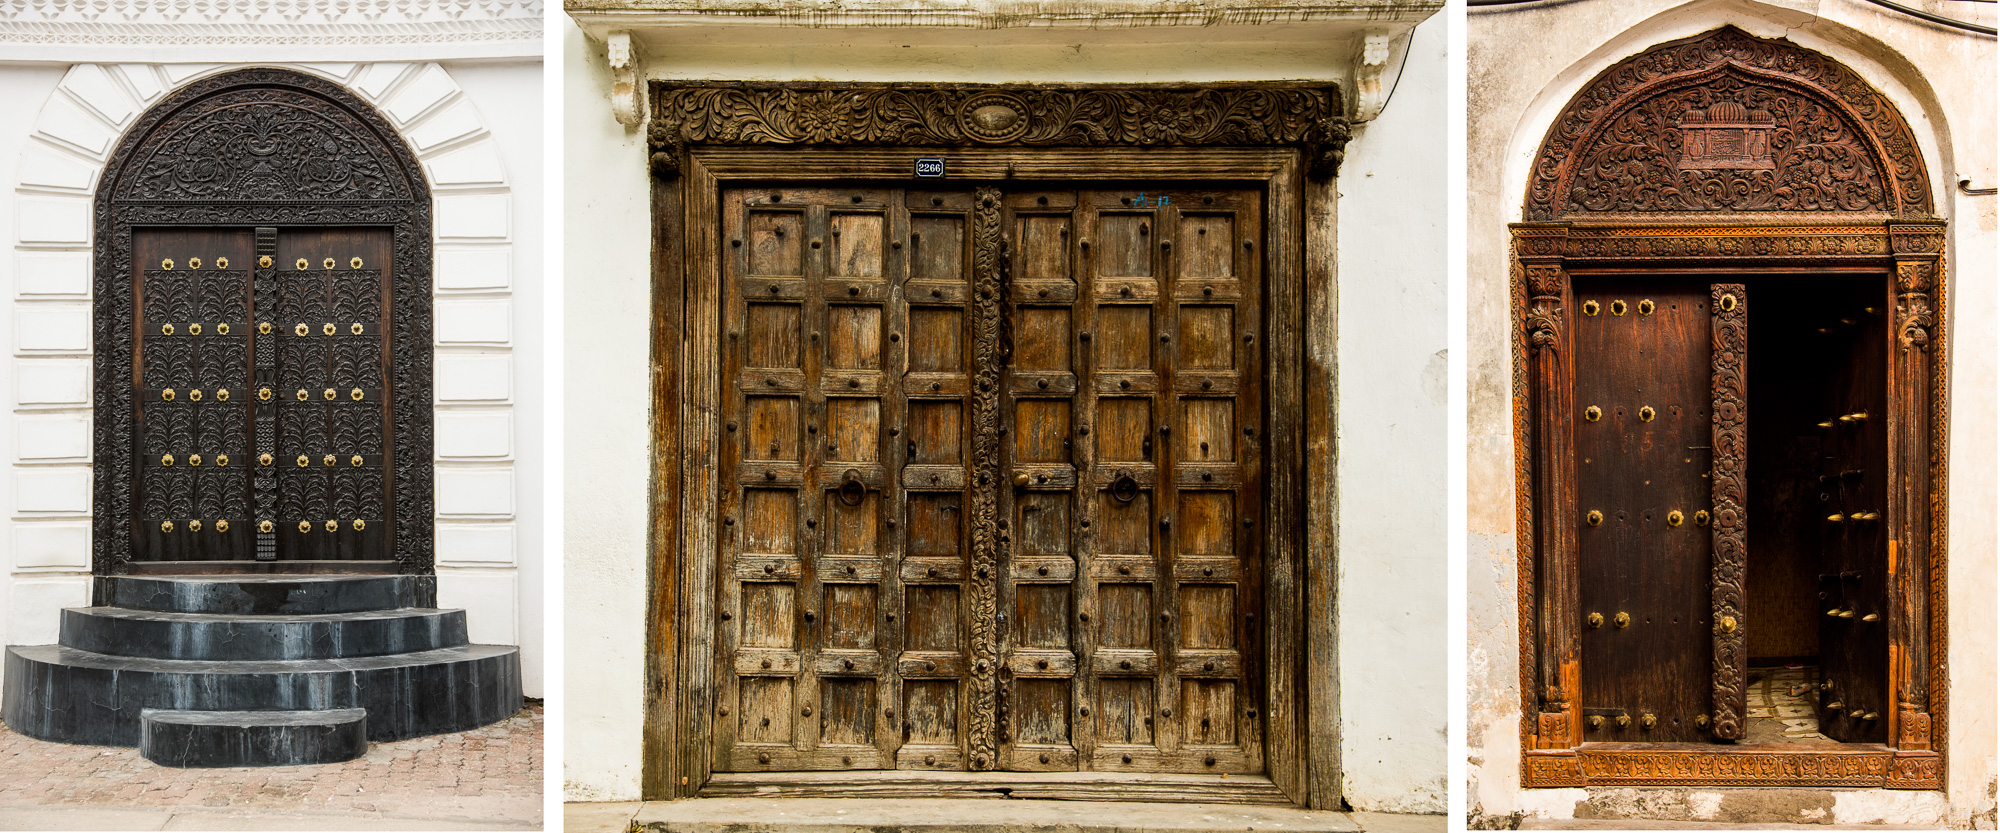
1538 284
1724 124
1306 116
233 150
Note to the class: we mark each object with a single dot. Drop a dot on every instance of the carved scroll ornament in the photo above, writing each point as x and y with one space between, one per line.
1308 117
1726 123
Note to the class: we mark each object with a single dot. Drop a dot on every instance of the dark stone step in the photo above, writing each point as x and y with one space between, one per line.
170 737
148 633
62 694
266 595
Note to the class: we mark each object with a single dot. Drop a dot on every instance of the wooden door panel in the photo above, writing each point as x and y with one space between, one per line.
1126 573
1642 360
1854 706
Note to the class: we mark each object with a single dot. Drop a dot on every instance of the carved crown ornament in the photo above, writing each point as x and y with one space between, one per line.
1727 124
1308 117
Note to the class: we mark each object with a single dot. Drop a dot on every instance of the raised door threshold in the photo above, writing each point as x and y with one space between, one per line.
1079 786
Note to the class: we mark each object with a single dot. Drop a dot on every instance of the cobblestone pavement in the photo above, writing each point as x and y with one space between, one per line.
490 775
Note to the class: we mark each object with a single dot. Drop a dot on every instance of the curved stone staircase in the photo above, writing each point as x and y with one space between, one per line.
210 671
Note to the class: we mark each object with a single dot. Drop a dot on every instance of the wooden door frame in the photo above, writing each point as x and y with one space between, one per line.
1284 138
385 188
1546 256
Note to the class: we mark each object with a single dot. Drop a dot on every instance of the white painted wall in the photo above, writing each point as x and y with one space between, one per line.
1518 78
1391 376
475 127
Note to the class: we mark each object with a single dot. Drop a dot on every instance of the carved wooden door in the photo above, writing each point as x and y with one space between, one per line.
1650 358
262 415
992 480
1853 547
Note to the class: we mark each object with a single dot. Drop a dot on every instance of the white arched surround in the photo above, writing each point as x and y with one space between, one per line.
48 444
1940 81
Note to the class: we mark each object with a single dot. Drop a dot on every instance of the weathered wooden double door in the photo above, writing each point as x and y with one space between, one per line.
1691 470
262 372
992 479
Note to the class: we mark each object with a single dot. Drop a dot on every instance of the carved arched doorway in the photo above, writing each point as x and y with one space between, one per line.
262 336
1729 425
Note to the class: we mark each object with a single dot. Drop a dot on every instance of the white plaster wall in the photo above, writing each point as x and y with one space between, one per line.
1391 372
1518 78
476 131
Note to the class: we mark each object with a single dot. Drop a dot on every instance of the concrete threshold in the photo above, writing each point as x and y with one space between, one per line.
1643 824
968 815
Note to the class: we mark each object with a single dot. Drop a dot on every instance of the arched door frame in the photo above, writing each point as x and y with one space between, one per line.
398 197
1639 220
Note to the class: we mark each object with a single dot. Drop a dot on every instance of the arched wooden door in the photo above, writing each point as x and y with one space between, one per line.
262 336
1730 428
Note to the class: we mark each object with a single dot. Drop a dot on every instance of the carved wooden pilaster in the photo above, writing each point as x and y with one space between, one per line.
1729 316
1545 333
1918 250
1310 117
988 276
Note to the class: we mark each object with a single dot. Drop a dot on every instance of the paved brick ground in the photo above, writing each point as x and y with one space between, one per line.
492 774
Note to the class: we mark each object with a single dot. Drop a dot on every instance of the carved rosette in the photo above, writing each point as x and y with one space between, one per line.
1727 123
1729 309
262 147
987 276
1309 117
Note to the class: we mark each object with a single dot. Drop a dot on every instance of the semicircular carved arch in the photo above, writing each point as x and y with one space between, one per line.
1725 124
263 147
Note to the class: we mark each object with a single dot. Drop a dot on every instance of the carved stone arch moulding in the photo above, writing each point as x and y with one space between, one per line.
1727 124
1711 159
1305 116
263 147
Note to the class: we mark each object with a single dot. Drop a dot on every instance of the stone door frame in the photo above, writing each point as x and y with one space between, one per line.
709 136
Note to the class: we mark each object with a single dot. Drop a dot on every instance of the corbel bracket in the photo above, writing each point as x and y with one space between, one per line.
628 96
1370 90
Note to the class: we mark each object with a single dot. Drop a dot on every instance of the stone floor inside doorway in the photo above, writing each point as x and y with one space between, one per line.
970 815
486 779
1782 705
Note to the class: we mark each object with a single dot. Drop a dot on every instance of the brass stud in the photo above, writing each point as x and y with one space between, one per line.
1727 625
265 527
221 525
194 263
167 264
166 526
1596 721
305 526
1728 303
264 327
327 394
166 459
167 395
326 264
304 461
360 525
1847 614
354 461
327 460
1675 517
1590 308
1836 517
1596 620
194 459
1624 720
1646 306
166 329
355 394
194 526
1617 307
1594 517
1836 705
1868 716
194 329
264 394
301 329
222 263
263 459
332 524
302 265
1701 517
356 328
1621 620
1857 713
222 460
354 263
194 395
1701 721
1872 617
264 262
1647 721
1646 413
327 329
222 329
222 394
302 395
1593 414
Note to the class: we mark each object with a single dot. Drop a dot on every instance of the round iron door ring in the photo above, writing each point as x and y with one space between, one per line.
852 490
1124 489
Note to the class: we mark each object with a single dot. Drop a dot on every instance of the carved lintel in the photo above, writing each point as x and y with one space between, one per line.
1726 766
1369 91
1304 116
627 94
